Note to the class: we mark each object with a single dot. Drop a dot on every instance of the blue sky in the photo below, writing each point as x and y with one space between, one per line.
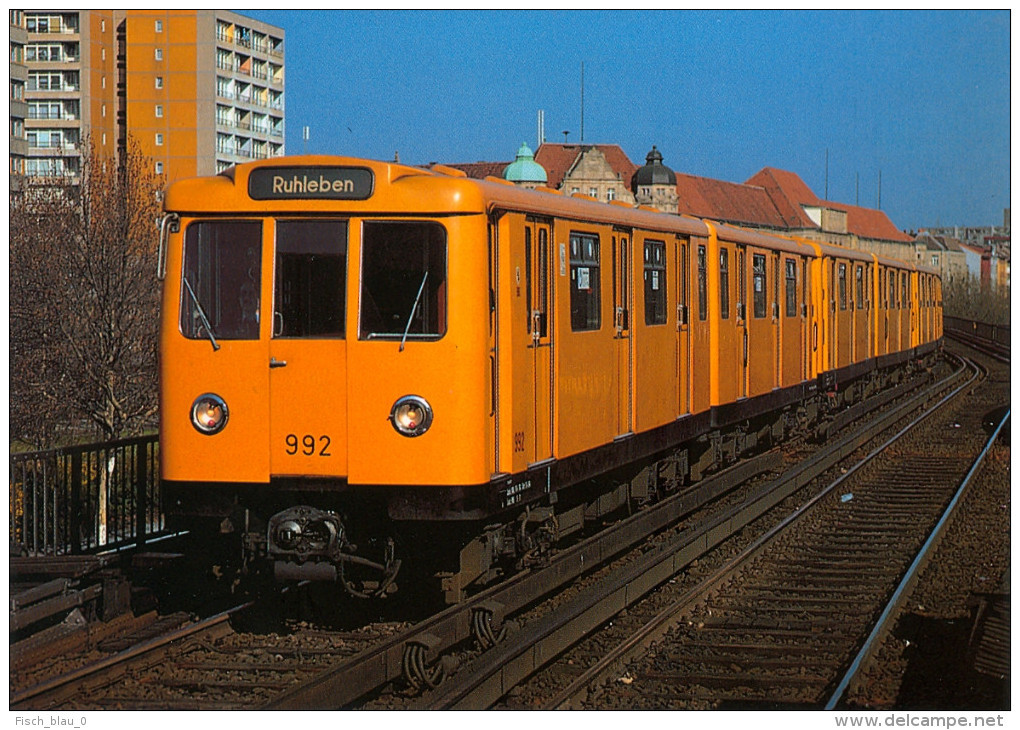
921 99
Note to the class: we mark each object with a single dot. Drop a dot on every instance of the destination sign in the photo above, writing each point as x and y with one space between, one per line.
332 183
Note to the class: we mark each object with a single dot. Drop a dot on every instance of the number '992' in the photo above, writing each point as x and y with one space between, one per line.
307 445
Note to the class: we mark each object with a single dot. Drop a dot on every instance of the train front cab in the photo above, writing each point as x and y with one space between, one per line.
323 354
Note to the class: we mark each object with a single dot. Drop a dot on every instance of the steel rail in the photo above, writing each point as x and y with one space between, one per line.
886 620
494 673
54 689
388 661
666 618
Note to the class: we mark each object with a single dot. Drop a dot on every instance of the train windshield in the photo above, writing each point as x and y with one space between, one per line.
403 280
311 278
222 277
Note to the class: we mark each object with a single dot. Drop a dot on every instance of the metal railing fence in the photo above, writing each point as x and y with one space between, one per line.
85 499
997 333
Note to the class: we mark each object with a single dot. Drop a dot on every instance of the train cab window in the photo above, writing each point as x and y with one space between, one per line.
403 280
791 288
311 278
859 281
842 286
702 284
724 283
221 281
759 283
585 283
655 282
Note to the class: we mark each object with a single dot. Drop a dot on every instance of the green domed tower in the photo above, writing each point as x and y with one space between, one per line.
524 171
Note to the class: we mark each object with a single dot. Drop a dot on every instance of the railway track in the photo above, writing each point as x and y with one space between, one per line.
344 669
796 618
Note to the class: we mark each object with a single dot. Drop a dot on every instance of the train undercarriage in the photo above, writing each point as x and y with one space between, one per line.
462 540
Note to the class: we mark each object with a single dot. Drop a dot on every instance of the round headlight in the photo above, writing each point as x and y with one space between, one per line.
209 414
411 415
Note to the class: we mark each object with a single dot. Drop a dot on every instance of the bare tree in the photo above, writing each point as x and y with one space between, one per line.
966 298
84 302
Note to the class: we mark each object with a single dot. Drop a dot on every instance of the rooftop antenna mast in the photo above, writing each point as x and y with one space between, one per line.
826 173
582 102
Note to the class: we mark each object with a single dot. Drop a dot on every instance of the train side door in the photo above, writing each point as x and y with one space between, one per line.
776 324
538 260
621 322
683 327
308 349
743 346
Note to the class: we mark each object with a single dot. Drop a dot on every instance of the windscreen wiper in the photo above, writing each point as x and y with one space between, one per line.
414 308
201 316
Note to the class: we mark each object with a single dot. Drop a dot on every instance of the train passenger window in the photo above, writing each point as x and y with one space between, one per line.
724 283
859 281
585 283
702 284
311 278
655 282
403 280
760 286
221 280
892 290
842 286
791 288
904 290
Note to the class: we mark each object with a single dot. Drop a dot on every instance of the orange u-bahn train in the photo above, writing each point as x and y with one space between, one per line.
365 364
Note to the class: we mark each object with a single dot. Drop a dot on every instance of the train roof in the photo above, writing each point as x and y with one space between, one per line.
390 187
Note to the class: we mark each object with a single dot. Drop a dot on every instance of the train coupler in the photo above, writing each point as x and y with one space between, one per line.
307 543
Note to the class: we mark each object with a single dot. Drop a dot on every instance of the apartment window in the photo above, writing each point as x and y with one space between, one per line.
935 260
159 82
159 26
159 140
159 54
593 192
159 111
103 112
159 168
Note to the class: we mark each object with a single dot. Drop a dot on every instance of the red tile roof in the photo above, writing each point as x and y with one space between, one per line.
789 193
480 170
726 202
557 159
